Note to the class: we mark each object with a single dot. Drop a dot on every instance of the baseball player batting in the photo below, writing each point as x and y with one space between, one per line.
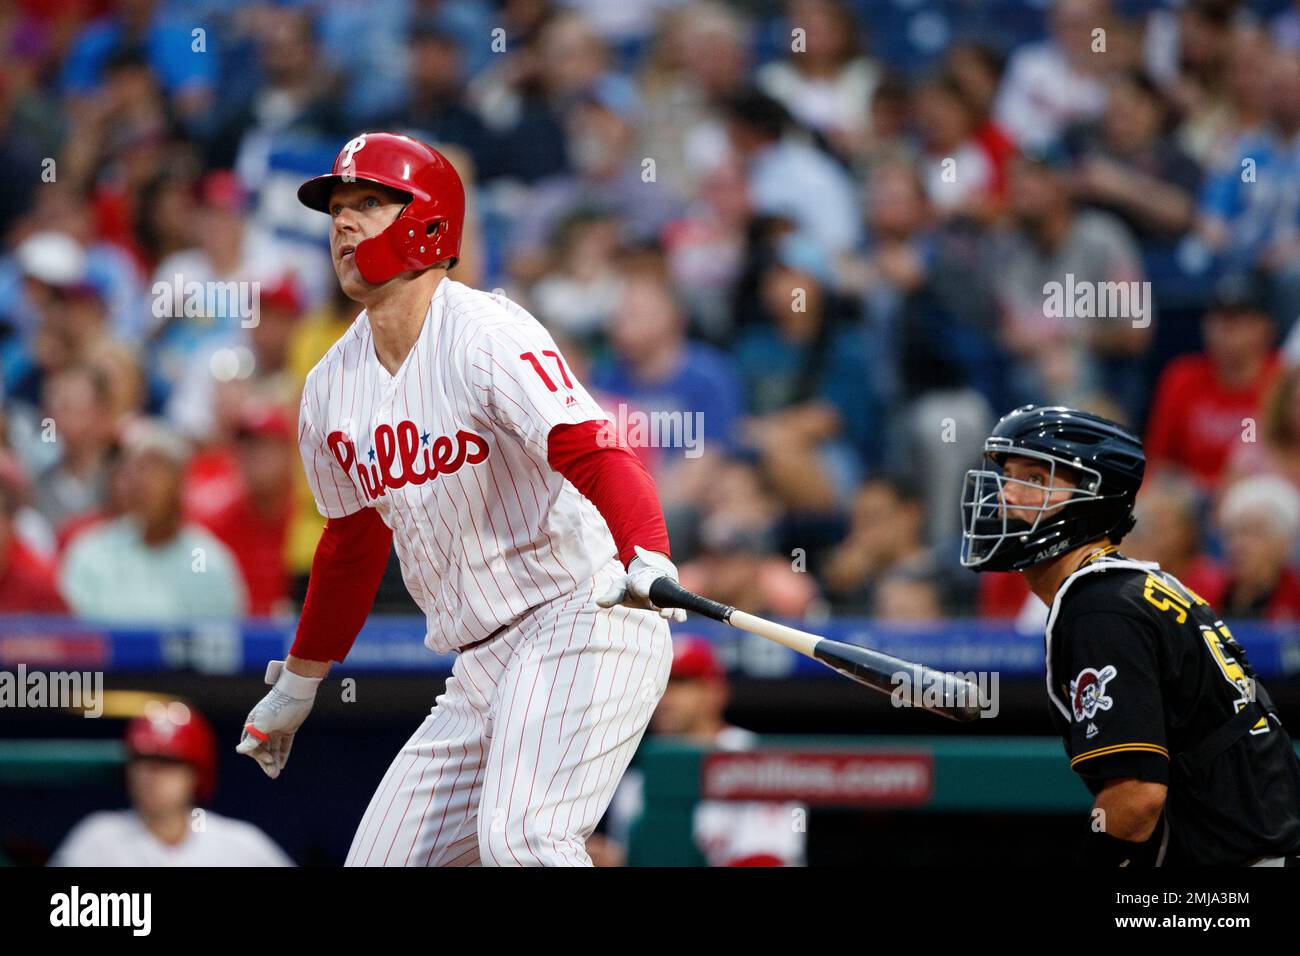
446 422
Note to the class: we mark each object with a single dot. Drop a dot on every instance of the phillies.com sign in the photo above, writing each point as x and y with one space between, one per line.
895 779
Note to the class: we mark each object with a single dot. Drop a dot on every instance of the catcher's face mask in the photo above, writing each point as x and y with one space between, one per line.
1010 508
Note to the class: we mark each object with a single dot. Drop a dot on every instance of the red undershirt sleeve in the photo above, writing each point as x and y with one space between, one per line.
345 574
612 478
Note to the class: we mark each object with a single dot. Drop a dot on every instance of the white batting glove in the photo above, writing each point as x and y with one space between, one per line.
634 589
269 729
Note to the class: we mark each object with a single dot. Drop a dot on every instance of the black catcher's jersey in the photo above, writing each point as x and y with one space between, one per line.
1144 679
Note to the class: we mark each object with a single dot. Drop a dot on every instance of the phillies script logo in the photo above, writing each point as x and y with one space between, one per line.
403 456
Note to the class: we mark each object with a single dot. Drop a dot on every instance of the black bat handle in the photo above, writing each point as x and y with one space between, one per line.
665 592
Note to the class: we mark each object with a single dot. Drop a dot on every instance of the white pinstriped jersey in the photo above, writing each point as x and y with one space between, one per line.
451 451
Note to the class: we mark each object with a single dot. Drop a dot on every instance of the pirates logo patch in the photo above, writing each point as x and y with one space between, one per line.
1088 692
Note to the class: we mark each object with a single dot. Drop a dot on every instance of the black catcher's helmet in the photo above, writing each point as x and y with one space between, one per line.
1103 458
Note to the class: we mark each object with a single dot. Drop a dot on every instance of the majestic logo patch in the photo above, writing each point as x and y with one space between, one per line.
1088 691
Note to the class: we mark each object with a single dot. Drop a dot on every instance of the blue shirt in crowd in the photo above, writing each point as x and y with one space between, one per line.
704 381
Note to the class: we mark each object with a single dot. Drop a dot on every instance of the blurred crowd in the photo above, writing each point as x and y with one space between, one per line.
822 229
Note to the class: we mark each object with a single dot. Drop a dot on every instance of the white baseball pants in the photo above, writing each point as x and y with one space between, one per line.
519 758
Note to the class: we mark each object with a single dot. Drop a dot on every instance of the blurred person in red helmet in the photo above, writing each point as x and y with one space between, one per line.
171 771
726 832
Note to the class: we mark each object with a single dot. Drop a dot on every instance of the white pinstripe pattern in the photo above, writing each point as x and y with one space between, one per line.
481 545
520 756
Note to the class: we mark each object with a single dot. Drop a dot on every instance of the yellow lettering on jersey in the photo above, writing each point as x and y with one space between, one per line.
1167 599
1232 670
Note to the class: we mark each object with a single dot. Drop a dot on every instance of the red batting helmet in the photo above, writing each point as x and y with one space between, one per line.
177 732
429 227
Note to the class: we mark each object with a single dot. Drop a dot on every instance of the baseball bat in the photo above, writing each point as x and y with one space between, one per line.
957 698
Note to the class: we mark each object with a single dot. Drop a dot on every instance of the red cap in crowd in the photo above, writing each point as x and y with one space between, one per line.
283 294
257 420
221 189
695 659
